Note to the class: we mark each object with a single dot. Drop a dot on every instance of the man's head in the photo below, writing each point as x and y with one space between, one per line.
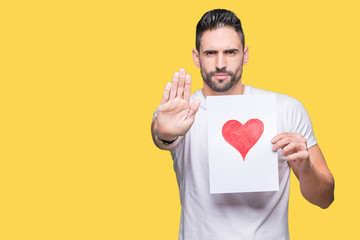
220 52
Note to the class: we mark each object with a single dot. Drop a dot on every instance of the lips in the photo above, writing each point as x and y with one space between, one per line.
221 76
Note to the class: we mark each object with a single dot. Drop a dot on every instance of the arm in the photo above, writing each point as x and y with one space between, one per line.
309 166
158 143
175 114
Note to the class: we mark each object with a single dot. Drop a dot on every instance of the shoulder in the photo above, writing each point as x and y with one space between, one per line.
283 101
198 95
291 115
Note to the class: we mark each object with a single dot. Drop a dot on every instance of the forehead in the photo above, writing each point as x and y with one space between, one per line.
220 38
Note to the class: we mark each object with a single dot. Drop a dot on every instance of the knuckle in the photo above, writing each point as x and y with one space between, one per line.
285 134
299 135
275 146
303 155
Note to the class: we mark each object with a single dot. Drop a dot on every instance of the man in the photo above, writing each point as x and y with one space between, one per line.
180 125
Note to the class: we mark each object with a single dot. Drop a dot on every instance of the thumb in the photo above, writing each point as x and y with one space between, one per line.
194 107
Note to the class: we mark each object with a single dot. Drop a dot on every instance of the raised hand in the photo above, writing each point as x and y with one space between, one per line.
175 114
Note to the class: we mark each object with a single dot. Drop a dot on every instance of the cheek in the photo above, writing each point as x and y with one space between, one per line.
207 62
235 63
237 60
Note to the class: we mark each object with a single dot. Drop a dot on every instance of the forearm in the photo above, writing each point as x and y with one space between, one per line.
316 186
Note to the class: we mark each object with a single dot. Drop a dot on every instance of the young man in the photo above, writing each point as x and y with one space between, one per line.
180 125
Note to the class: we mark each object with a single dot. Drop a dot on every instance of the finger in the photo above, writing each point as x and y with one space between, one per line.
194 107
174 85
187 88
166 93
281 143
288 149
180 89
293 147
280 140
287 153
285 134
278 137
298 156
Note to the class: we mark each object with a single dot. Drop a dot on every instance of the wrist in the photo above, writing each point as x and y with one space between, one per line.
166 140
305 167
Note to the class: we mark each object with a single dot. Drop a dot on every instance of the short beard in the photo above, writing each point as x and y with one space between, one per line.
235 78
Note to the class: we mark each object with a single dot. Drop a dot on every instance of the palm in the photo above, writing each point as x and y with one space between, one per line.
175 114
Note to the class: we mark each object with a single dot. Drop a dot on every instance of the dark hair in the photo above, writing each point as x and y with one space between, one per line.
218 18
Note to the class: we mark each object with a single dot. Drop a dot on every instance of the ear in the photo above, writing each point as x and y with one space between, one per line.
196 59
246 55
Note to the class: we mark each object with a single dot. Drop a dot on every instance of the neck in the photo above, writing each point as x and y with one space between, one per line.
237 89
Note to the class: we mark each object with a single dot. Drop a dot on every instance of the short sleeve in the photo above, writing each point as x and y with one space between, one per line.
301 123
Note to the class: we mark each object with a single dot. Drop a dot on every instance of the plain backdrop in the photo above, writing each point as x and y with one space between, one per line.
80 80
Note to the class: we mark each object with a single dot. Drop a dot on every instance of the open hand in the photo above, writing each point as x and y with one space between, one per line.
175 114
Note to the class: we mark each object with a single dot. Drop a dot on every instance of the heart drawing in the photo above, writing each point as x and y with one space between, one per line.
243 137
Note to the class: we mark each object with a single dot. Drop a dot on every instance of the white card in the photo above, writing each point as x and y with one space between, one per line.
240 129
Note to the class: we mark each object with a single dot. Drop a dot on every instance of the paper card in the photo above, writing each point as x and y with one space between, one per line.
240 129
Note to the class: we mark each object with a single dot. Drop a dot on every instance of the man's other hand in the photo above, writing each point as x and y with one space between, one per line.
309 166
294 148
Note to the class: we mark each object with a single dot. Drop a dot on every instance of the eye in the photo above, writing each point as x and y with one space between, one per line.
231 52
210 53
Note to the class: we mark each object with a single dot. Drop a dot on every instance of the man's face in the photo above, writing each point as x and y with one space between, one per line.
221 58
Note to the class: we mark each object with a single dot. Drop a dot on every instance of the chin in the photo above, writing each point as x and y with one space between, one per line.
224 87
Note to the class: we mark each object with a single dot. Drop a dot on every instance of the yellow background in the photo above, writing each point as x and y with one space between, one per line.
80 81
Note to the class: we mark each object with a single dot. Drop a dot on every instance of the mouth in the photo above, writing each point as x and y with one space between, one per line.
221 76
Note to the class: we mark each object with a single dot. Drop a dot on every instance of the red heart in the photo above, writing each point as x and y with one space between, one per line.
243 137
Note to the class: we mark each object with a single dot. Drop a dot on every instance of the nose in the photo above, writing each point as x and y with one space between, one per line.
220 61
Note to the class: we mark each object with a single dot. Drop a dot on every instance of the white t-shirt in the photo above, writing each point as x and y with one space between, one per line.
233 216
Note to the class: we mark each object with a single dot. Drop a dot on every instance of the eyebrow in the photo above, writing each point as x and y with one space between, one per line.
232 50
226 51
210 51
